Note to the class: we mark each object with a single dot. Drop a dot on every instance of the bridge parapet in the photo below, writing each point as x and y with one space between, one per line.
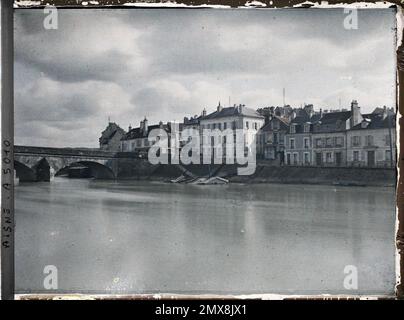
77 152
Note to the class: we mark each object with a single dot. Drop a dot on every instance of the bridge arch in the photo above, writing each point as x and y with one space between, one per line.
23 172
98 170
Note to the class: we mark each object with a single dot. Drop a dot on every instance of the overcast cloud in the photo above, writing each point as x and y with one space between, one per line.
167 64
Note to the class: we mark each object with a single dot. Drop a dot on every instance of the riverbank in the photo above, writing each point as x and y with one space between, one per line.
324 176
264 173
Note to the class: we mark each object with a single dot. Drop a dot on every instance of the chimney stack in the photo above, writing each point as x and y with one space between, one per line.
385 112
219 107
356 116
145 127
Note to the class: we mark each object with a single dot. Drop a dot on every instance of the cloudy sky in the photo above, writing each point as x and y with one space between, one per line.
167 64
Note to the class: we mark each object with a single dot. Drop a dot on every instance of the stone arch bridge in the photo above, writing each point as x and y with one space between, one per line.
40 163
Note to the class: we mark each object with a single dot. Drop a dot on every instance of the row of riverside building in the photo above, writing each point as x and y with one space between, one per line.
286 135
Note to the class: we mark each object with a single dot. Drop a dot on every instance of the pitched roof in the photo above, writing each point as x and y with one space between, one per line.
192 120
333 117
233 111
378 110
137 133
104 139
376 121
283 125
110 132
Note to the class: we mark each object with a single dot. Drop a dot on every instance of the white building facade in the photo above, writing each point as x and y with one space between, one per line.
246 121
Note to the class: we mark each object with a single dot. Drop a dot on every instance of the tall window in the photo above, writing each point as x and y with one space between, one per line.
293 128
318 142
356 141
246 125
292 143
225 125
339 141
306 158
275 137
387 140
306 143
369 140
295 158
356 156
328 157
388 155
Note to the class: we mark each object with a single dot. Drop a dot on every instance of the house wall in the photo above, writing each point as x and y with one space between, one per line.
135 144
240 123
110 139
376 153
269 147
296 153
331 146
235 122
271 141
114 144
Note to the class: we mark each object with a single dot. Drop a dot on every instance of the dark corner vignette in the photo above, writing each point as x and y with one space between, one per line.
7 118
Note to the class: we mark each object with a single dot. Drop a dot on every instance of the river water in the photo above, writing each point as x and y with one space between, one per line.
146 237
